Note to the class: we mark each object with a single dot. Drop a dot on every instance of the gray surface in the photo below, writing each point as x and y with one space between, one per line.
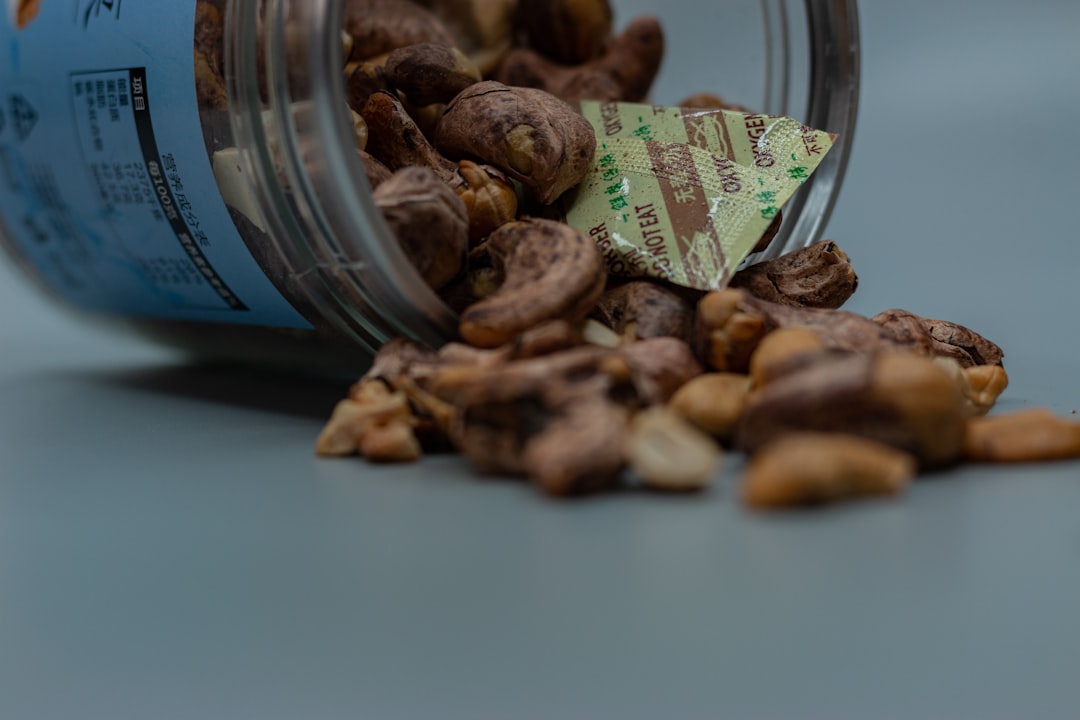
170 549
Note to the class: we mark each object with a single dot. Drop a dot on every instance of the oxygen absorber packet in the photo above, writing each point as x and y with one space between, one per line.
684 195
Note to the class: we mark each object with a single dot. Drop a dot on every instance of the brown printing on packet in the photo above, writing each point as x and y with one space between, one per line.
684 195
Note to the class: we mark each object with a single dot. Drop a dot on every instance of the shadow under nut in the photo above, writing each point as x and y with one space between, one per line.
551 271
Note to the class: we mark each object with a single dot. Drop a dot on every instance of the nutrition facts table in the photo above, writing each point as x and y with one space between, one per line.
141 191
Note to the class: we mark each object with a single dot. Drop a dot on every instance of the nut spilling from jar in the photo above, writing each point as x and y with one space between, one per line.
583 382
828 405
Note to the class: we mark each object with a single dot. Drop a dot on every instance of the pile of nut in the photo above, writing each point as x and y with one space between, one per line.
582 382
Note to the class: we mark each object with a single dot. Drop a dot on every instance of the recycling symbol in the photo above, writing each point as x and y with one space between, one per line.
23 116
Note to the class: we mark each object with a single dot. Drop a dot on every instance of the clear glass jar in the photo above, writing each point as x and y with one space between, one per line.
318 237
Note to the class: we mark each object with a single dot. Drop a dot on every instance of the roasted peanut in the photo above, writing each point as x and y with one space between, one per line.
983 385
781 351
900 399
811 468
1023 436
713 402
670 454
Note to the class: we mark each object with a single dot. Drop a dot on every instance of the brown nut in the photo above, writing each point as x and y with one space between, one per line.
375 171
670 454
1032 435
945 339
428 73
396 358
633 57
732 322
624 72
728 331
713 402
429 221
659 367
901 399
550 271
396 140
567 31
375 421
560 402
209 64
579 452
529 134
380 26
967 346
813 468
983 385
781 351
641 309
483 29
489 198
362 80
818 276
393 442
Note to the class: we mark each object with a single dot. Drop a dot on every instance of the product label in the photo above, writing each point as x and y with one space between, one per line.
105 183
685 195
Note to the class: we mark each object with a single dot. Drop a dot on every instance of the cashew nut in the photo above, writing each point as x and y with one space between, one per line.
529 134
549 269
642 309
818 276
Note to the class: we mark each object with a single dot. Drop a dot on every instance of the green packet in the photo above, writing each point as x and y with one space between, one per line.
684 195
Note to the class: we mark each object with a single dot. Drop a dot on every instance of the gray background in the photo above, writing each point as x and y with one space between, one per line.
169 548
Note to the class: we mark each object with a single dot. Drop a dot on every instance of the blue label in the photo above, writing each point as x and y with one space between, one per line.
105 183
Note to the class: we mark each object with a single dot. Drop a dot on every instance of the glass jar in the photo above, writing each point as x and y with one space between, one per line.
299 230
